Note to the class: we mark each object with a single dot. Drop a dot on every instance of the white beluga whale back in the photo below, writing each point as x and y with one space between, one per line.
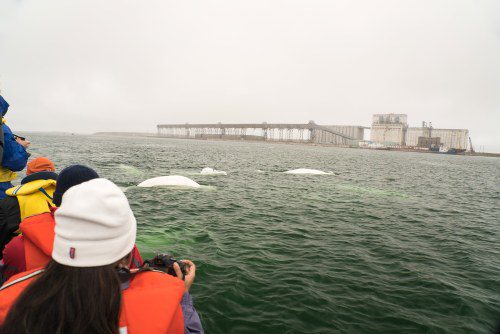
171 180
306 171
211 171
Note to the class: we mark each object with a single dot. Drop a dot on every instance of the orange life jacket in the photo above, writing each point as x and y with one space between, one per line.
38 240
9 293
38 232
150 305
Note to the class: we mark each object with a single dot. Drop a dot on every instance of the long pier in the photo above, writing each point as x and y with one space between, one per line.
272 132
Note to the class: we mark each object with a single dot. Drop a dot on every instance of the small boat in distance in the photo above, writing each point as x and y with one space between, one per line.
447 150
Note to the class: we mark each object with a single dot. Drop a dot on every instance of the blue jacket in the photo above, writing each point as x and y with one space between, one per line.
15 156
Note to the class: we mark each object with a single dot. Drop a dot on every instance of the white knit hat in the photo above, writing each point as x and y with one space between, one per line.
94 225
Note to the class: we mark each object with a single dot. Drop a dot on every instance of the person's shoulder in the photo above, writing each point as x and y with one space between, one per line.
157 283
23 278
156 277
6 129
44 217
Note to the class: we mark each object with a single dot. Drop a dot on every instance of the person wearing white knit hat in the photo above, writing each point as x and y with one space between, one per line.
96 231
80 291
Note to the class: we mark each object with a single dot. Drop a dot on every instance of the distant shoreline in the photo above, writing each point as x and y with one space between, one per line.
154 135
126 134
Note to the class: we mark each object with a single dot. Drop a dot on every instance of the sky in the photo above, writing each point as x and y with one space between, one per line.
117 65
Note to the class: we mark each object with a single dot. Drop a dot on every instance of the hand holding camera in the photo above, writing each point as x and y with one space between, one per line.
183 269
189 274
22 141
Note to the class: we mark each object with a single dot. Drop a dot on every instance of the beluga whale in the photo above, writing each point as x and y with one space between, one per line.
171 180
304 171
211 171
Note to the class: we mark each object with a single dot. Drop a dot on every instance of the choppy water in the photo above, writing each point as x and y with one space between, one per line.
389 243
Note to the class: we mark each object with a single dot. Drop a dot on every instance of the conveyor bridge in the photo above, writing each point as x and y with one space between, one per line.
273 132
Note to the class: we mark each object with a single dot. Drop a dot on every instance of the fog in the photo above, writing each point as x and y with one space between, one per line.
87 66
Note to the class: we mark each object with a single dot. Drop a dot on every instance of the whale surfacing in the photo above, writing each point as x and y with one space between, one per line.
211 171
307 171
171 180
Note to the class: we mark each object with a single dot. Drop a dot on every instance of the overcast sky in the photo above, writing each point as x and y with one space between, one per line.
94 65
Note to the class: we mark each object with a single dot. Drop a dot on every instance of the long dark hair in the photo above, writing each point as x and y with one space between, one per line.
68 300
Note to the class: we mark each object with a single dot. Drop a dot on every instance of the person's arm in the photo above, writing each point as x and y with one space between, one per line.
15 156
192 322
13 257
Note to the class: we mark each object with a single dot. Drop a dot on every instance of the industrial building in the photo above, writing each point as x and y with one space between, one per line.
450 138
393 130
389 129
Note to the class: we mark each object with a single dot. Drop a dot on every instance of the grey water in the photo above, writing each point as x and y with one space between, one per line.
390 242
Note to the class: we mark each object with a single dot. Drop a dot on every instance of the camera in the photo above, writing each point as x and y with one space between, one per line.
165 263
